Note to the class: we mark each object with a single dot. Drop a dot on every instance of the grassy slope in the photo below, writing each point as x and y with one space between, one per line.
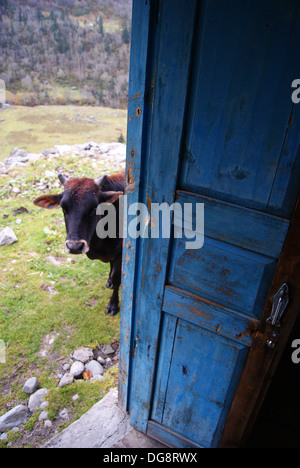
41 127
28 312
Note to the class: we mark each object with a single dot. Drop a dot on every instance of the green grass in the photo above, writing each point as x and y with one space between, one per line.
42 127
28 312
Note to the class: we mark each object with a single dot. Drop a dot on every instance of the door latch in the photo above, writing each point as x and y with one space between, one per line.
280 301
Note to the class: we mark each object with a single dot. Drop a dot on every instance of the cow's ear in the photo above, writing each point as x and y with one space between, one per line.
48 201
110 197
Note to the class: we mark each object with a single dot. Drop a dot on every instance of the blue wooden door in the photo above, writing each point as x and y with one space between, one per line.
210 120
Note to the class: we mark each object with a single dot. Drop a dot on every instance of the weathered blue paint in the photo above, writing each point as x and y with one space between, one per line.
136 115
210 120
202 375
214 272
257 231
209 315
160 142
240 109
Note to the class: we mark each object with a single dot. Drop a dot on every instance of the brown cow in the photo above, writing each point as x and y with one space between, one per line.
79 203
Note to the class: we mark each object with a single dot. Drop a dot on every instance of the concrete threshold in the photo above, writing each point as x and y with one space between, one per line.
105 425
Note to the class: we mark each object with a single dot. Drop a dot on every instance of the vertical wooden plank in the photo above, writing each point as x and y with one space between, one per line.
169 64
137 83
286 184
168 331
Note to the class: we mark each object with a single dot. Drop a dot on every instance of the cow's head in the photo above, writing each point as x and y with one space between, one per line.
79 202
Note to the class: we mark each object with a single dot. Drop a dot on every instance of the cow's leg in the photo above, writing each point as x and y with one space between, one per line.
115 278
109 283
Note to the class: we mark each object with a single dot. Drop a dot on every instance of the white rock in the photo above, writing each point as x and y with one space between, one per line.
7 236
64 413
36 399
43 415
50 174
94 367
63 149
83 354
30 385
77 369
97 377
108 349
48 423
13 418
67 379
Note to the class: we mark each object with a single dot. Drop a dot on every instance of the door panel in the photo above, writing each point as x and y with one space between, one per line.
203 368
257 231
209 315
228 275
217 129
241 109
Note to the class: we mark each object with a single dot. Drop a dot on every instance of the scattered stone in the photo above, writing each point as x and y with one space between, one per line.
7 236
43 415
30 385
50 174
67 379
114 153
19 157
66 367
44 405
75 397
15 429
64 413
77 369
108 349
101 360
14 417
57 261
47 423
49 289
48 341
94 367
3 436
36 399
83 354
97 377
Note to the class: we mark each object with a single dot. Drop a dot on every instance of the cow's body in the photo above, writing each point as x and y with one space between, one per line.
79 202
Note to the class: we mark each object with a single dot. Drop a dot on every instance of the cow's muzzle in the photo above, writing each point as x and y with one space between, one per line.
77 247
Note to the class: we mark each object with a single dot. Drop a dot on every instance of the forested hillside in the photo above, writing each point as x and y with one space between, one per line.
65 51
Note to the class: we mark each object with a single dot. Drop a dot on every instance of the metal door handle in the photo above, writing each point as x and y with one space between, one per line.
280 301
